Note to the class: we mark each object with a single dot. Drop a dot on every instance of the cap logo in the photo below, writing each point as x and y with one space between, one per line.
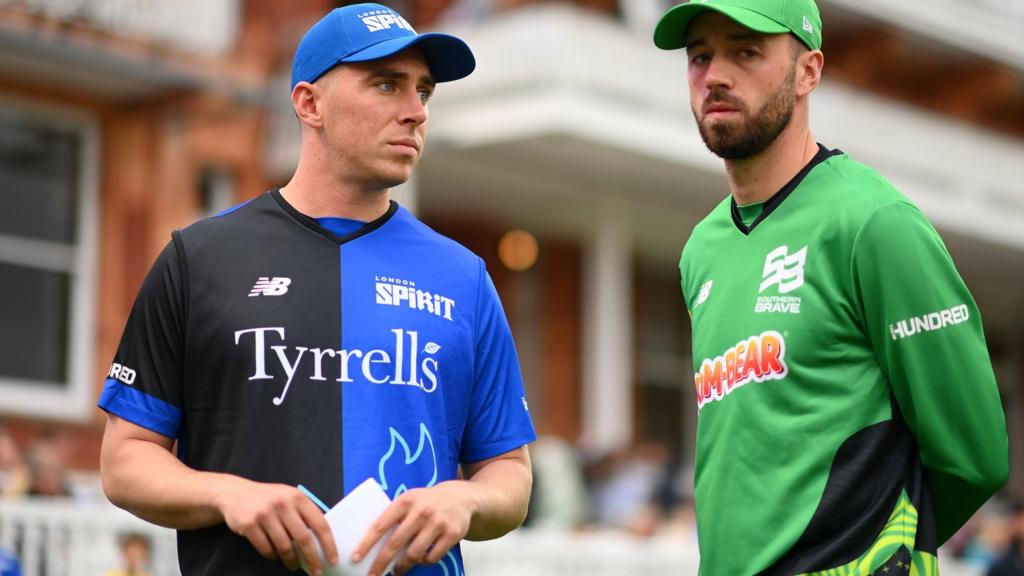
377 20
808 26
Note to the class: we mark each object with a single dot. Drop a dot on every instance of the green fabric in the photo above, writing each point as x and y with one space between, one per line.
803 331
800 17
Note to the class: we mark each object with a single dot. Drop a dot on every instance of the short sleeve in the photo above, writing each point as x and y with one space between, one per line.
927 334
144 383
499 418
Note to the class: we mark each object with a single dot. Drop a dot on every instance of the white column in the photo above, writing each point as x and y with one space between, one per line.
607 332
407 194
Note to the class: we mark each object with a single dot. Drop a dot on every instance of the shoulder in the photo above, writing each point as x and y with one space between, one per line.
247 218
422 241
713 226
858 188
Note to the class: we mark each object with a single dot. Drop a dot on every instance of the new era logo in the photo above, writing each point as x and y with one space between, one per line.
784 269
808 26
265 286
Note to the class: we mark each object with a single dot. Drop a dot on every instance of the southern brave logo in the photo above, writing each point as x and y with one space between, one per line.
786 272
266 286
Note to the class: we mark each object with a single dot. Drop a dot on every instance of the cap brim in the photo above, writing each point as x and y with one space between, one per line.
449 57
670 33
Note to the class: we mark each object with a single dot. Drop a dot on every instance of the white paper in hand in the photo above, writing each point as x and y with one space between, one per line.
349 521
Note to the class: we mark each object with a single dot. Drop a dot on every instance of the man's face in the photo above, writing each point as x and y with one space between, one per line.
375 118
742 85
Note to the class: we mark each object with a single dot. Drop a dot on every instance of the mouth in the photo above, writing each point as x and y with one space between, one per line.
406 146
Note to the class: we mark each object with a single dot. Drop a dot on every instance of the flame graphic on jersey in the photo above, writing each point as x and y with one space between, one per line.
410 458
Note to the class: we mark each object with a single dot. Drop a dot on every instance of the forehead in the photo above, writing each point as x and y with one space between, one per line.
715 25
410 61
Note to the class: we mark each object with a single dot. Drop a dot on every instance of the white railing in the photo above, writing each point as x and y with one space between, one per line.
206 27
63 538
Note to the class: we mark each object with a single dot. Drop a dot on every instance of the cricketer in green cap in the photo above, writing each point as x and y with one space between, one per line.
767 16
844 428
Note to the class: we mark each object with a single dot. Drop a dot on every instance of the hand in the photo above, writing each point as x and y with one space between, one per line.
429 522
272 517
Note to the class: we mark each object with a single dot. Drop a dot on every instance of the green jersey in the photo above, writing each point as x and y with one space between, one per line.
848 418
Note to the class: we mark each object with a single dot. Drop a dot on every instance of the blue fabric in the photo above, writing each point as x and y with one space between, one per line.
363 32
9 565
436 380
140 408
340 226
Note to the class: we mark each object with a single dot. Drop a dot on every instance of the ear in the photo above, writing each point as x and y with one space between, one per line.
809 65
306 103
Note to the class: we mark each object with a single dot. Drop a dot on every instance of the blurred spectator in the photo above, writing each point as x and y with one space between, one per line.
135 551
624 487
559 493
47 472
14 474
9 565
1011 563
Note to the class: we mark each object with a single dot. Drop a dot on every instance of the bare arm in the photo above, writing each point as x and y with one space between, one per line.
489 503
141 475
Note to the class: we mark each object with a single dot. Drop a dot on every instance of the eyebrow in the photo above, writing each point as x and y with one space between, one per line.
392 74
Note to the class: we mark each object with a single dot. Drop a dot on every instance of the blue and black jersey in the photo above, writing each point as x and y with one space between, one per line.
284 349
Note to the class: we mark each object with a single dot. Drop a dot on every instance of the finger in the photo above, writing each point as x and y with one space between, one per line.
281 541
416 553
301 536
387 519
314 518
440 548
398 541
259 540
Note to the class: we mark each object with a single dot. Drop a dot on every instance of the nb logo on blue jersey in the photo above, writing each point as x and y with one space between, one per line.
266 286
398 292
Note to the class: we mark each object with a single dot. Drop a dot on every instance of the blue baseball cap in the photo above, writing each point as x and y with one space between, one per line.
364 32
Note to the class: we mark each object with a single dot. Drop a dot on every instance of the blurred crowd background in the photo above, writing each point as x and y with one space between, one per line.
569 161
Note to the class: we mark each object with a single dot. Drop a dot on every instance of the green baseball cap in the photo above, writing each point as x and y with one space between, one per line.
800 17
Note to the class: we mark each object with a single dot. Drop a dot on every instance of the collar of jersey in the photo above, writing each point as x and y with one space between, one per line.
776 200
315 226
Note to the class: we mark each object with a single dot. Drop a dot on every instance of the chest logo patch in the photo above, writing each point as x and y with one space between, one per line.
756 359
398 292
785 272
266 286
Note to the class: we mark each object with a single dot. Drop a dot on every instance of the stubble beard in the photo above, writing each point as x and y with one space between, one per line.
738 140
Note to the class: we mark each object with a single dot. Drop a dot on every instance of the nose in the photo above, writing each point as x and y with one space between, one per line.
414 110
718 74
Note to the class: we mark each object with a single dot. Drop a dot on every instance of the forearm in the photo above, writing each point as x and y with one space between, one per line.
501 491
150 482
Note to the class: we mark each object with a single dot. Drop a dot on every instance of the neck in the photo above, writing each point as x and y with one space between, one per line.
759 177
316 192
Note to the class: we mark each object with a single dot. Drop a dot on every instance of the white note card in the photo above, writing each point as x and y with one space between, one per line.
349 521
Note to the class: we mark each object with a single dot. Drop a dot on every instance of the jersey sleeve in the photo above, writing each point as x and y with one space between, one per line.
927 334
144 384
499 418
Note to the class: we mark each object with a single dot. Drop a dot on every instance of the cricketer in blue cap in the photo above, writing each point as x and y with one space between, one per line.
364 32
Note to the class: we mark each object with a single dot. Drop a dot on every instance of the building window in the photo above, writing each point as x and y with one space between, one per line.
48 164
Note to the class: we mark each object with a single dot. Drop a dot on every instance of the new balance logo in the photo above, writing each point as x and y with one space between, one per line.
265 286
784 269
705 291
